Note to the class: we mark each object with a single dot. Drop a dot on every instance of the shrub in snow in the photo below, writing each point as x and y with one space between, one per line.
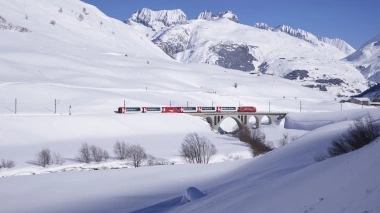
98 154
44 157
286 139
58 158
257 143
60 10
136 155
230 157
84 154
235 85
255 139
52 22
362 132
197 149
120 150
7 164
80 17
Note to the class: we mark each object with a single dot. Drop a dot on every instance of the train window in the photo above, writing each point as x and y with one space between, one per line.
153 109
132 109
228 108
208 108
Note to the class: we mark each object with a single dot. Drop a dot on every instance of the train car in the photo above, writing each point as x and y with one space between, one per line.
207 109
191 109
246 109
121 110
128 109
151 109
172 110
227 109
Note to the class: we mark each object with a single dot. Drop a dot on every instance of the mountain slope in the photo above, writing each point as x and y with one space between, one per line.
251 49
367 59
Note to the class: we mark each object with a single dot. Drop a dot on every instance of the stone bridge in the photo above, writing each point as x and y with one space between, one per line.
241 118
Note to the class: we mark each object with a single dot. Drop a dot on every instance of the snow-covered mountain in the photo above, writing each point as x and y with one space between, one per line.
157 20
234 46
309 37
367 59
209 16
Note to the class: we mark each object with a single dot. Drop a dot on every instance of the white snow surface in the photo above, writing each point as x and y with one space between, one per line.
95 64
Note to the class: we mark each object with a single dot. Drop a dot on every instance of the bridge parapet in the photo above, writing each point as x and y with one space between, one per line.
241 118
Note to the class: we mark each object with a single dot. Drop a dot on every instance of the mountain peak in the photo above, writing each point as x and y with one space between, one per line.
299 33
152 18
209 16
338 43
262 26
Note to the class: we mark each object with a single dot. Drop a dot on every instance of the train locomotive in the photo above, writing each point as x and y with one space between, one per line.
176 109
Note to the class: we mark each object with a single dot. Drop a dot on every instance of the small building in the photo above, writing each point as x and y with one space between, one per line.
361 101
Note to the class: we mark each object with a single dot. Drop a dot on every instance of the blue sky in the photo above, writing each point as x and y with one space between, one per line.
355 21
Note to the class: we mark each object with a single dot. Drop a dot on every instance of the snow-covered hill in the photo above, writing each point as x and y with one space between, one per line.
367 59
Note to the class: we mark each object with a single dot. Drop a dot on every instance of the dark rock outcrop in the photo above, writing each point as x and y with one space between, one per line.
297 74
234 56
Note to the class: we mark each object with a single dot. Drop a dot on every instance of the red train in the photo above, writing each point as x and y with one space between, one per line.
173 109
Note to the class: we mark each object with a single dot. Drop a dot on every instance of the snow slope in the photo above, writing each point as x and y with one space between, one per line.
284 180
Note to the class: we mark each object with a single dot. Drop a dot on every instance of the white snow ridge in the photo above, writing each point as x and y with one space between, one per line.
62 81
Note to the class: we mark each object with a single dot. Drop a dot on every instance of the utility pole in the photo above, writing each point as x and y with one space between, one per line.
269 106
300 106
170 103
15 105
55 106
187 104
341 106
70 110
124 103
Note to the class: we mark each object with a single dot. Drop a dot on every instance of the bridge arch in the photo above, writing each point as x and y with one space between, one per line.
236 119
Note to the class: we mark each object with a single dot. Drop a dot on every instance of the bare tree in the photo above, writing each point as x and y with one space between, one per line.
151 160
106 156
44 157
96 153
84 154
58 158
197 149
120 150
136 155
7 164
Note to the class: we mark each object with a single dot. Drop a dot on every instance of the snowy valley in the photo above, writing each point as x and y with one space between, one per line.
66 67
